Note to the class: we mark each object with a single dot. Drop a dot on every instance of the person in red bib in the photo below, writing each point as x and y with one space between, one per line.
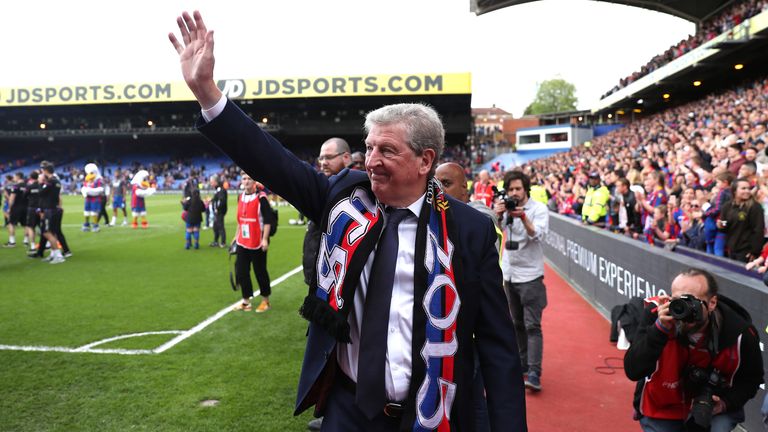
696 358
254 219
483 189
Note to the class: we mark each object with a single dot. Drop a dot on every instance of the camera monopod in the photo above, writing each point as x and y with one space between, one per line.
232 269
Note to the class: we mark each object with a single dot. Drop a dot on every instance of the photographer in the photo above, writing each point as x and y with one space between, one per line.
696 359
524 223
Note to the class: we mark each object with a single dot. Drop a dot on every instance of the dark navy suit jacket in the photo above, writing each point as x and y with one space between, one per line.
483 316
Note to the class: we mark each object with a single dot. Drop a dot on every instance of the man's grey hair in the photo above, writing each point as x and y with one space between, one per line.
423 127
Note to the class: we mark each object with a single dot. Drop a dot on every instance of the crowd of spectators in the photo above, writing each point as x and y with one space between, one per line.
695 175
718 24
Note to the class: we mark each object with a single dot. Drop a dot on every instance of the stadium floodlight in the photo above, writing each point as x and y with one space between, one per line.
610 115
42 126
150 123
581 118
637 110
264 120
639 101
738 66
696 83
665 96
620 112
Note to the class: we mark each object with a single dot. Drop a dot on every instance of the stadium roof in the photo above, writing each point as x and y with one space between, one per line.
691 10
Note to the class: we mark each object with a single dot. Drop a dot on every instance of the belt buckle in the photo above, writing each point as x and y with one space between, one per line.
393 409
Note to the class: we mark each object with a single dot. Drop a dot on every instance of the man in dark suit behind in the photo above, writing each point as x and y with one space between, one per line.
446 285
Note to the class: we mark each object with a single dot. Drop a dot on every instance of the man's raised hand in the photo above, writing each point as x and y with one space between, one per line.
196 58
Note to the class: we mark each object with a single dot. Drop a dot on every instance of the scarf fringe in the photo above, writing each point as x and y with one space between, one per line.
321 313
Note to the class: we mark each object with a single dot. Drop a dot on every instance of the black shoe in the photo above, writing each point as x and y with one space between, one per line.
213 244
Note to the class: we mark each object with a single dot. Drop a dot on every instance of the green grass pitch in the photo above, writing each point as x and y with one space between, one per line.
122 281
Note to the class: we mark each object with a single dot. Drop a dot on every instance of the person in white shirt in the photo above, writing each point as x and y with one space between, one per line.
524 223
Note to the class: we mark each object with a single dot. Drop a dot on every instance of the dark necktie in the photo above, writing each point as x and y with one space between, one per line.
371 393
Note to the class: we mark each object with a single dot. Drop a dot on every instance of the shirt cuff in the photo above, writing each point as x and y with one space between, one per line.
214 111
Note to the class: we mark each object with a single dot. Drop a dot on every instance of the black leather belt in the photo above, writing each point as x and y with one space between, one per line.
391 409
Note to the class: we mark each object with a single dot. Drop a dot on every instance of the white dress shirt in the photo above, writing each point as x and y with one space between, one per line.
397 373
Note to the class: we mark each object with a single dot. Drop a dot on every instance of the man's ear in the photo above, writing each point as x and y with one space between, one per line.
426 158
712 303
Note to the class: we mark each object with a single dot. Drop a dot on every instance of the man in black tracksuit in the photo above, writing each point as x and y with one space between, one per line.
219 206
33 209
50 205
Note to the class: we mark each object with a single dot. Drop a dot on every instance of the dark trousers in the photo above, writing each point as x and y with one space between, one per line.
527 301
219 232
343 415
55 228
258 259
103 212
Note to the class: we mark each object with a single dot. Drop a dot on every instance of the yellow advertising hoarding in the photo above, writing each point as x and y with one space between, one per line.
255 88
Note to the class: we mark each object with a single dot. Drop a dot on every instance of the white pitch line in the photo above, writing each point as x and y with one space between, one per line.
126 336
73 350
171 343
162 348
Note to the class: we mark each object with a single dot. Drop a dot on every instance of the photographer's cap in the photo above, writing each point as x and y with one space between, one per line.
594 174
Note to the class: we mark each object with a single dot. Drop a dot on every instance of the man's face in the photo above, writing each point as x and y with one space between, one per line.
454 182
398 175
649 183
594 181
358 162
516 190
697 287
248 184
331 160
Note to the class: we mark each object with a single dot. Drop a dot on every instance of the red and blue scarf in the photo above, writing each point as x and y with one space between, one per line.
352 225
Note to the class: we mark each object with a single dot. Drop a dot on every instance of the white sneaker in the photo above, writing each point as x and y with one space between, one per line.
49 258
125 223
57 260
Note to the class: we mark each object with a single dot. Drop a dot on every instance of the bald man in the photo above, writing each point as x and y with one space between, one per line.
451 175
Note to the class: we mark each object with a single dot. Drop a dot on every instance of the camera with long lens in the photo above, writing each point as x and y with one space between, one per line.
703 384
687 308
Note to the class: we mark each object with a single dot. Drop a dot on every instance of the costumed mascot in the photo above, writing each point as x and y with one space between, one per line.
140 189
92 190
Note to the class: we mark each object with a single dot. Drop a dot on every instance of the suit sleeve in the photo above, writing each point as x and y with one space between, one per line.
497 347
266 160
647 345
